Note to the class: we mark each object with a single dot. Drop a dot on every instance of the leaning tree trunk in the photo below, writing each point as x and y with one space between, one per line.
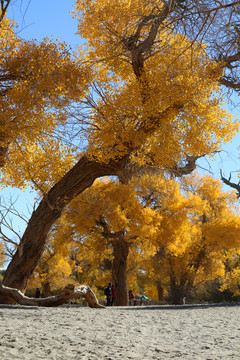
32 244
119 271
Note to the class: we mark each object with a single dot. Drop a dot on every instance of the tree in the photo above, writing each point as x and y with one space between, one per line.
231 279
192 248
105 223
157 98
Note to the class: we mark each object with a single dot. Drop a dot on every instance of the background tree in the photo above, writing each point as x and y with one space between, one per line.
108 220
231 279
208 224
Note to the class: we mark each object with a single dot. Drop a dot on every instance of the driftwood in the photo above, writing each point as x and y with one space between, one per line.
68 293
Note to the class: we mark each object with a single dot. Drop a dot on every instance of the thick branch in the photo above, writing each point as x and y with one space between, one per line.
186 169
4 8
69 292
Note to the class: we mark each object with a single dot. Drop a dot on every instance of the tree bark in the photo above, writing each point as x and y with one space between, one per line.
119 271
69 292
177 291
32 244
46 289
160 291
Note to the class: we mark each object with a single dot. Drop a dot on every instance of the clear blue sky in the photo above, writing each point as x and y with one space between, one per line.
40 18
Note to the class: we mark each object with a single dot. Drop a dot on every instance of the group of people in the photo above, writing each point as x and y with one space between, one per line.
109 292
133 300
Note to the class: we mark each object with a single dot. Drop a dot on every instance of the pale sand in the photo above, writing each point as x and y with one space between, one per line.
167 332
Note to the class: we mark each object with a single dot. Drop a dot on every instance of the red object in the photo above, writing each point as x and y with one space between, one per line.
130 295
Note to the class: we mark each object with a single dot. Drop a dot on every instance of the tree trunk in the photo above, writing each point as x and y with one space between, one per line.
32 244
119 271
160 291
69 292
46 289
177 291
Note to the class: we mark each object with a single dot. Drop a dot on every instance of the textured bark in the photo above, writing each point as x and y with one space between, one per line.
32 244
119 271
69 292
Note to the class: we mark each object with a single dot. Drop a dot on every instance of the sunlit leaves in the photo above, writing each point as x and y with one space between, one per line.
38 82
174 108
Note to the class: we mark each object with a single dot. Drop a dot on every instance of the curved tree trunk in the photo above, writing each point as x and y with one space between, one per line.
32 244
69 292
119 271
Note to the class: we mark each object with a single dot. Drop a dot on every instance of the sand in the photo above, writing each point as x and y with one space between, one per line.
159 332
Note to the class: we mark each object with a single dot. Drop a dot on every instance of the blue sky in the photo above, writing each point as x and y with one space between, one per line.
40 18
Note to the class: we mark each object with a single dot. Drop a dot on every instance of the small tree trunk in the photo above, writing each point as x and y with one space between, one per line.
46 289
177 291
160 291
119 271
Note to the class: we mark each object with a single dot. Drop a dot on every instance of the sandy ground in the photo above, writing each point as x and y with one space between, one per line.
163 332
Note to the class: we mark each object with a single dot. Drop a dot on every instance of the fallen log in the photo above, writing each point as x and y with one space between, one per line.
68 293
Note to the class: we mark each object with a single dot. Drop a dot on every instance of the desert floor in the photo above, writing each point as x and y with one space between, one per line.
185 332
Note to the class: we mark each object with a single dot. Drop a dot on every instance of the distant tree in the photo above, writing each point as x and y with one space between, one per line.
231 279
191 249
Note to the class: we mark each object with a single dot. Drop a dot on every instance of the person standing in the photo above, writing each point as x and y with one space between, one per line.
131 297
108 293
38 293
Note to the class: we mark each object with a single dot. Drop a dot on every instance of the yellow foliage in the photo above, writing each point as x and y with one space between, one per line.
181 110
55 266
191 247
38 82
